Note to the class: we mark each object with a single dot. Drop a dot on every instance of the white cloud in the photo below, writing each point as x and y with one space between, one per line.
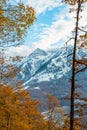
42 5
60 28
18 51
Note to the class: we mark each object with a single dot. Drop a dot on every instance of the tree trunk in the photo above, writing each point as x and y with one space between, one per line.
73 70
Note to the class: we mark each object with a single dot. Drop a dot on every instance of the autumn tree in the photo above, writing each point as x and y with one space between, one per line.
15 19
54 114
79 3
14 22
18 111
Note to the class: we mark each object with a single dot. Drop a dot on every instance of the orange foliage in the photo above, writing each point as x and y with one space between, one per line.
18 111
14 22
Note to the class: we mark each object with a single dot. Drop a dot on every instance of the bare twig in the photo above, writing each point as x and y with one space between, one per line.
69 40
82 30
83 69
70 54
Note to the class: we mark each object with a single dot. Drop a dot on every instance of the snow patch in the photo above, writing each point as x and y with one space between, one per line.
37 87
26 87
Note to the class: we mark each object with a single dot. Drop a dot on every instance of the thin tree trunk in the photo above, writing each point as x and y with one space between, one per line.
8 122
73 70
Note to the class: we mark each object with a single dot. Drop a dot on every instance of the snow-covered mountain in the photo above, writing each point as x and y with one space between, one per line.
49 71
48 65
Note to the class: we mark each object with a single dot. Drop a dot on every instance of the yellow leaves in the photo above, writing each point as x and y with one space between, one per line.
84 44
15 20
2 1
52 102
83 62
67 123
19 32
21 6
11 23
12 72
1 10
73 2
18 111
83 36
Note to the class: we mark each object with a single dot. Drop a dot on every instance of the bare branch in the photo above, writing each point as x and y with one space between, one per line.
70 54
69 40
82 30
83 69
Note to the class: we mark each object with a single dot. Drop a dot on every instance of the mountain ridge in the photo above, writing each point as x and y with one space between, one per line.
46 65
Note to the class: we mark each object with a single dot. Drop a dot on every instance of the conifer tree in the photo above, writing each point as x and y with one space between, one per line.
74 60
18 111
15 19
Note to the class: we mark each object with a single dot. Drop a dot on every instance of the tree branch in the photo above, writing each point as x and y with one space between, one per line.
69 40
82 30
81 70
70 54
83 62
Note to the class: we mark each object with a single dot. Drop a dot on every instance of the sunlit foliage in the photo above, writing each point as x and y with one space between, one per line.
14 22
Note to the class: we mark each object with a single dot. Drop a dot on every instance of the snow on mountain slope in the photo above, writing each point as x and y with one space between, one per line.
48 65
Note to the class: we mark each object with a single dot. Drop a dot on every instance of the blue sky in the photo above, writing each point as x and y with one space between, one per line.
42 28
52 27
44 20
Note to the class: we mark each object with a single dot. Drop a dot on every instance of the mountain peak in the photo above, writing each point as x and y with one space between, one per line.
38 52
43 66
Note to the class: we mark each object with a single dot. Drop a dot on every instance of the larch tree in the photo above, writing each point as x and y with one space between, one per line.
15 19
79 4
54 114
14 22
18 111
